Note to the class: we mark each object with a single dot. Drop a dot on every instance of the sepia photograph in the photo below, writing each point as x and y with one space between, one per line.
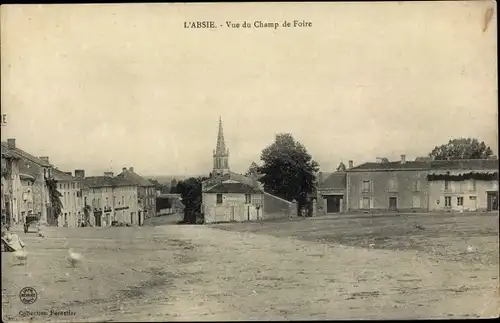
249 161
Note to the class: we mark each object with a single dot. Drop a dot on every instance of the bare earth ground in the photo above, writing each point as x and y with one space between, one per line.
378 267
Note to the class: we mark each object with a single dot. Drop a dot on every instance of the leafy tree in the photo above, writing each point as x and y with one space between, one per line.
253 171
341 167
190 190
173 183
288 171
55 200
461 148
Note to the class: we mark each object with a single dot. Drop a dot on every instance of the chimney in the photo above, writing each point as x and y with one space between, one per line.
351 164
403 159
79 173
45 159
11 143
108 174
124 169
131 169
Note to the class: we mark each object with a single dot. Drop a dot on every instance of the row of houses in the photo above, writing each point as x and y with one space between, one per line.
27 191
420 185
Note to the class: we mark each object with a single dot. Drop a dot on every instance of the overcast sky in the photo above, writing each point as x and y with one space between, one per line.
103 87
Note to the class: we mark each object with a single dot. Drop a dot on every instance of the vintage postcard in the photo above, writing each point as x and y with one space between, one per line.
249 161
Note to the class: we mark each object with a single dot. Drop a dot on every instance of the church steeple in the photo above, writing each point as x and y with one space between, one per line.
221 153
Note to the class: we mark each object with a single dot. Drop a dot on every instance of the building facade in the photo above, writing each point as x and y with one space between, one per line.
10 179
145 189
331 193
228 196
71 198
388 186
232 201
423 185
40 169
111 199
463 185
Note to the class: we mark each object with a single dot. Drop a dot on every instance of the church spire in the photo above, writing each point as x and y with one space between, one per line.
221 153
221 145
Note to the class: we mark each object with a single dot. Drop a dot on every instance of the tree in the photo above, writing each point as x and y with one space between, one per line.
55 200
190 190
288 171
253 171
173 183
341 167
461 148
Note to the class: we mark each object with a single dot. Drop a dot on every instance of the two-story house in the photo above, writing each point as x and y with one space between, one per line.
388 186
71 198
145 189
38 168
463 185
111 199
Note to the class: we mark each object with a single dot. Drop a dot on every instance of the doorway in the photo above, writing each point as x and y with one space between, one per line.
492 201
97 219
333 203
393 203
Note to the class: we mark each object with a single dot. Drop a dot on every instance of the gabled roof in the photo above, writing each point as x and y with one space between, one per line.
104 181
61 176
16 152
336 180
464 164
133 177
233 188
232 176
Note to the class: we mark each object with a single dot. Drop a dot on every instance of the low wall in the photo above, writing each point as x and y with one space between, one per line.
275 208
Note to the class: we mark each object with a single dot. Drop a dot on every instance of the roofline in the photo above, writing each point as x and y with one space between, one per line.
386 169
28 157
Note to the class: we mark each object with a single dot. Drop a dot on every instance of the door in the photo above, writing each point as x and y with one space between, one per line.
393 203
492 201
97 220
333 203
473 203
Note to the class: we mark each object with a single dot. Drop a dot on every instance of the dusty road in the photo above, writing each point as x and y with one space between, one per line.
177 273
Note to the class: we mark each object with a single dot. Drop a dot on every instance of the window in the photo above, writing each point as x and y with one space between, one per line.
248 198
460 201
123 200
446 185
107 202
472 185
219 198
447 201
65 216
365 186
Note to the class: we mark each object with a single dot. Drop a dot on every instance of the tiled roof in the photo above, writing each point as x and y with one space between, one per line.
134 178
335 180
233 188
465 164
16 152
472 164
235 177
105 181
6 153
62 176
373 166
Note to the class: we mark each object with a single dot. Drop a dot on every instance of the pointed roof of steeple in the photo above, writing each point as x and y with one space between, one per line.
221 145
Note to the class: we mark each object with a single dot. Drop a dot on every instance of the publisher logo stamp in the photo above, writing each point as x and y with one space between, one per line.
28 295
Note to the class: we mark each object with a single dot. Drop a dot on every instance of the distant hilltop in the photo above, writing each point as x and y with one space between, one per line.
167 179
